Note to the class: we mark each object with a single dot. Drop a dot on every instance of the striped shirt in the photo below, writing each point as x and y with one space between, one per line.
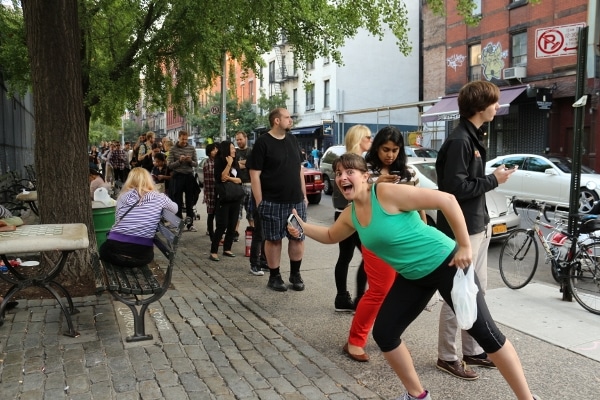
143 218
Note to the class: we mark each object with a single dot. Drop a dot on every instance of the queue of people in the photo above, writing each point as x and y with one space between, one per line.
378 210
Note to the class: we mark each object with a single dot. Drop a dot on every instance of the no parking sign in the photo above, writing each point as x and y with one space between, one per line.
557 41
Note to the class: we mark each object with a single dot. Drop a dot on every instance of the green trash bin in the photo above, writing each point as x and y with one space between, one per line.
104 219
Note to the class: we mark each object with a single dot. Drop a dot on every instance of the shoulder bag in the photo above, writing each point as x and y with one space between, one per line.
229 192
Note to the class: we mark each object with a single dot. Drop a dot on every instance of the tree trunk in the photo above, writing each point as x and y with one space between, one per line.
61 137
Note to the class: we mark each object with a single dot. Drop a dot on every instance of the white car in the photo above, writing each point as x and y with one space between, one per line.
546 178
502 217
422 152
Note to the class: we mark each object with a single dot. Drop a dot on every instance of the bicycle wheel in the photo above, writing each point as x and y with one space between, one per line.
518 258
584 277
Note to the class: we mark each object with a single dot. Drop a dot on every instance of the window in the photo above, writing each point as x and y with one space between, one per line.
310 99
272 72
519 49
251 91
295 101
475 62
310 65
326 94
477 9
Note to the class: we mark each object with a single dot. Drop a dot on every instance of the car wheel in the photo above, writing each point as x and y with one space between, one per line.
328 189
314 198
586 200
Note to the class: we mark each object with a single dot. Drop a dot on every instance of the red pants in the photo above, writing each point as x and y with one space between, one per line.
380 277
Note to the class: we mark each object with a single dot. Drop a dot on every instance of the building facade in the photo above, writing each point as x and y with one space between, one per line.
376 86
530 52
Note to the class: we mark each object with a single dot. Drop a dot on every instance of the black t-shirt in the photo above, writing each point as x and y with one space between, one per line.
279 162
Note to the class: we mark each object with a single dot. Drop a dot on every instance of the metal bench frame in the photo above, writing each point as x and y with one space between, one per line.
138 287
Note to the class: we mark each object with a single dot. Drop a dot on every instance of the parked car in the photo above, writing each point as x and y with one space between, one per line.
546 178
502 217
329 156
313 180
422 152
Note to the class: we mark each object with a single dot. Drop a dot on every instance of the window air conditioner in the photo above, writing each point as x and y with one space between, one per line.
514 73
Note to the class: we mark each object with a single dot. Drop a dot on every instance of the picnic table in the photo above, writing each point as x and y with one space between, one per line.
65 238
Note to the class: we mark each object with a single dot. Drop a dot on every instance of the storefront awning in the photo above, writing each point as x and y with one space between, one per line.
447 108
306 130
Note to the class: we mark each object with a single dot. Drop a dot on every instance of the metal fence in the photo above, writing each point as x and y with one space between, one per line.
16 131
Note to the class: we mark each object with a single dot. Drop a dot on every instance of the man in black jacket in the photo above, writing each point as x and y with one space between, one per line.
460 168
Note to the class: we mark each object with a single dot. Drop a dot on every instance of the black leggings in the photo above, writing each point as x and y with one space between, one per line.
126 255
407 298
346 254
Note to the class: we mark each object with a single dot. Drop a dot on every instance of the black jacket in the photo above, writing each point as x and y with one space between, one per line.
460 168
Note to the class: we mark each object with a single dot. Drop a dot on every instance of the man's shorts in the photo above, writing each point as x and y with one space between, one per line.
274 219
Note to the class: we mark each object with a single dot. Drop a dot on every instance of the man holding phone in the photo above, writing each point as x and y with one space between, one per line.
460 168
183 162
278 187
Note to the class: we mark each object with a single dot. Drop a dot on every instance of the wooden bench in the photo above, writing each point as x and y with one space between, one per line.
139 287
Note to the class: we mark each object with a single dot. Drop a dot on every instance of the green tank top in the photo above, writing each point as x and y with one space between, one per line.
413 248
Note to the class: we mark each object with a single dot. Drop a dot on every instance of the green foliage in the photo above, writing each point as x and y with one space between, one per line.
240 117
266 104
100 132
170 49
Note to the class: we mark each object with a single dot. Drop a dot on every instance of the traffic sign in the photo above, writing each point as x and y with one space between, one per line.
557 41
214 110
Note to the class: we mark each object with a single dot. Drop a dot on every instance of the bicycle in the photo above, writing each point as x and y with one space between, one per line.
580 270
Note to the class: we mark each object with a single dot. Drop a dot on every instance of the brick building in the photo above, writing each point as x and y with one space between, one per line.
530 52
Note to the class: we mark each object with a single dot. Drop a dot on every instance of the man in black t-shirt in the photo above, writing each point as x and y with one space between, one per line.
278 187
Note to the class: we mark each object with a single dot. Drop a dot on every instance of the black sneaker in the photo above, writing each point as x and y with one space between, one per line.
296 281
255 270
343 303
236 237
276 283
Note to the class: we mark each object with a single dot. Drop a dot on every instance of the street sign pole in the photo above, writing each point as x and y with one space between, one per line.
579 106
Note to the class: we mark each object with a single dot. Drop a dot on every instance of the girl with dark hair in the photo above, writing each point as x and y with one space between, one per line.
226 213
208 169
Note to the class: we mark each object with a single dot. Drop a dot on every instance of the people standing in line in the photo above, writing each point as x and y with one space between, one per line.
96 181
241 154
95 156
208 170
386 162
385 217
226 212
460 168
135 151
129 156
182 162
278 187
358 141
161 173
118 161
107 170
145 152
130 242
315 155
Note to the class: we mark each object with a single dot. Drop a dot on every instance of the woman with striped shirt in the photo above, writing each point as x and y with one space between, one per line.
139 207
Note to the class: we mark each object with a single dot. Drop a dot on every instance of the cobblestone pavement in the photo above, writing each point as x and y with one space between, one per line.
212 342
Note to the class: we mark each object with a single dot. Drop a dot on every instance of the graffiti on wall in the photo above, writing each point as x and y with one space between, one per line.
455 61
492 60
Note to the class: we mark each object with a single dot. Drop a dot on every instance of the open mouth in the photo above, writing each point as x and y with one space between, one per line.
347 188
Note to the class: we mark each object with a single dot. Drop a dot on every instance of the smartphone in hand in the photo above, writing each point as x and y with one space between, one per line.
293 220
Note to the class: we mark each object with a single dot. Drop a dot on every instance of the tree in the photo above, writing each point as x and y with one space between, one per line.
266 104
240 117
53 41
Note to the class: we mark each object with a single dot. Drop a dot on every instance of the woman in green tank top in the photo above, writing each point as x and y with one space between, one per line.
385 217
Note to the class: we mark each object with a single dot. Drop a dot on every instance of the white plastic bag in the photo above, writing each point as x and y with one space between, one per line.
464 297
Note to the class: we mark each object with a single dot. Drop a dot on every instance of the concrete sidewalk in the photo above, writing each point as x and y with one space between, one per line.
219 333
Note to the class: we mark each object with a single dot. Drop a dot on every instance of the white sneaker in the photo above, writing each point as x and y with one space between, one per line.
407 396
254 270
